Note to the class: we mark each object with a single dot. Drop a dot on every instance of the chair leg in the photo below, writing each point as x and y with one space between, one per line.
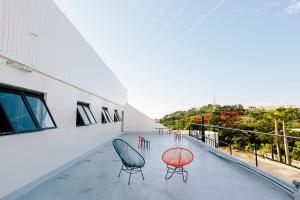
167 173
172 173
142 173
129 177
120 171
187 174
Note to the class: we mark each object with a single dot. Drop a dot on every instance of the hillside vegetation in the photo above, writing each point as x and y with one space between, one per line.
279 120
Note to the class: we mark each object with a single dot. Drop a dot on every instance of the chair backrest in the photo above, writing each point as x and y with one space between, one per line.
128 155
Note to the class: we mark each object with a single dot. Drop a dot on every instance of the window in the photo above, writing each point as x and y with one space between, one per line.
117 117
84 115
22 111
40 112
106 118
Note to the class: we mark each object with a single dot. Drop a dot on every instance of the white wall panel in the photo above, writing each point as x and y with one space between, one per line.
5 25
67 70
32 150
1 23
37 34
10 27
135 120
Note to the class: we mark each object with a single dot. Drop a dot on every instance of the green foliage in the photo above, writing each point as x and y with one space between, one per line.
250 147
296 151
265 149
236 116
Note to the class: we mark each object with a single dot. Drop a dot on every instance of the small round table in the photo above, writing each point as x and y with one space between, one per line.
176 158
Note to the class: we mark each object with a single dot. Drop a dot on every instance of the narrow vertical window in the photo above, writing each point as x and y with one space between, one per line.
106 118
117 117
89 114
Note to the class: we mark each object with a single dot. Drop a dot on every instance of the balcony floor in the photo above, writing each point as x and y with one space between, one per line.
210 177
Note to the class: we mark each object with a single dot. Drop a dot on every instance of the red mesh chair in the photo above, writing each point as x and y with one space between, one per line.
176 158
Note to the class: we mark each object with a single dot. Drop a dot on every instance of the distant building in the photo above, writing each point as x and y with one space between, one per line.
269 107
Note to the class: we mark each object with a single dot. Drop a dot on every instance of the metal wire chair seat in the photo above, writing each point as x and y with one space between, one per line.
132 160
177 157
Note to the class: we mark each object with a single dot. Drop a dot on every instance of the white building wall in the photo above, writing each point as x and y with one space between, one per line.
135 120
26 157
67 70
37 34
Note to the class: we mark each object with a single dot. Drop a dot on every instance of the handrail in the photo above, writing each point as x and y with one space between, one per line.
254 133
245 131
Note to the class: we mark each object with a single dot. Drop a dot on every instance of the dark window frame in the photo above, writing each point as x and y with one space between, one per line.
103 118
41 97
117 117
22 92
83 105
106 115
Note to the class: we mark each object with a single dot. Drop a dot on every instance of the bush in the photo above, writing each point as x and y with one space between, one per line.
250 147
296 151
265 149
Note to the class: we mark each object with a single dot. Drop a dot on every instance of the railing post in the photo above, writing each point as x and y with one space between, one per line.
215 137
255 150
198 134
230 148
272 152
203 129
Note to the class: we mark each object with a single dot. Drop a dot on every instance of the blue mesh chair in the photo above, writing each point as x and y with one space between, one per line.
132 160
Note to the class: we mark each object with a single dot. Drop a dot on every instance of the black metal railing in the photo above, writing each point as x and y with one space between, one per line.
198 131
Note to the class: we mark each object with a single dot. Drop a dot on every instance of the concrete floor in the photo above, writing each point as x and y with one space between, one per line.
210 177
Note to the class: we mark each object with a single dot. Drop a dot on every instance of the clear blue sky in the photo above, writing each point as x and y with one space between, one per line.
177 54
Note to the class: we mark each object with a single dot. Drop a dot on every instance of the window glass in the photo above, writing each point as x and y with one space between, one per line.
90 115
5 127
108 117
40 112
16 112
79 120
83 115
104 119
116 116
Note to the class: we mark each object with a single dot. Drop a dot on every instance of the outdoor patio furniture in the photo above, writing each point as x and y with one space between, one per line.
132 160
143 143
160 130
178 135
176 158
